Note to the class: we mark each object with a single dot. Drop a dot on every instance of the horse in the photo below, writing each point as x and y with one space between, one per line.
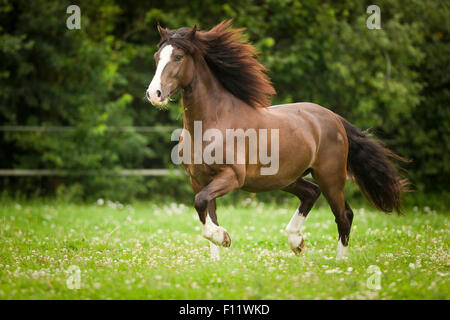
223 86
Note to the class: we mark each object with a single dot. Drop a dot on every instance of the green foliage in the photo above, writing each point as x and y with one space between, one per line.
394 80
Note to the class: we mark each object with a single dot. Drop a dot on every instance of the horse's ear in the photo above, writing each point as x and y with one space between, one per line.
162 32
191 34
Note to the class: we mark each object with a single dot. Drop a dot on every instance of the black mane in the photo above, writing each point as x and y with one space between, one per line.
231 59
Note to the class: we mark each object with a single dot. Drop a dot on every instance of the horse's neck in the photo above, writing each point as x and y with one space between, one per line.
202 98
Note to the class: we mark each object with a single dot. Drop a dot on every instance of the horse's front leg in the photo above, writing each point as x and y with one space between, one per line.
205 205
216 234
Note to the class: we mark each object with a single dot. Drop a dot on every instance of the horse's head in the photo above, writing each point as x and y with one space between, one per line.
175 64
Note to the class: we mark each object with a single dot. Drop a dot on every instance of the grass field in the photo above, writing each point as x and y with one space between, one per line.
149 251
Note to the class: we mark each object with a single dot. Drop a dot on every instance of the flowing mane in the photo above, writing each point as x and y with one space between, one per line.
231 59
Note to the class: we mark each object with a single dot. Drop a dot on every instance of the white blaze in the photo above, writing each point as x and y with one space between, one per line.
164 58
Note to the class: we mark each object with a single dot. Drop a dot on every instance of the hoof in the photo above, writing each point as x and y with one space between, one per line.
297 243
219 237
300 248
226 240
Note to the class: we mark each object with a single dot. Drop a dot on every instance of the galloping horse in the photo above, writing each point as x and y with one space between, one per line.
224 87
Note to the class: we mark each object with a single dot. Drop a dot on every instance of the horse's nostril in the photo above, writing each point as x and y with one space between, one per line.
158 93
147 94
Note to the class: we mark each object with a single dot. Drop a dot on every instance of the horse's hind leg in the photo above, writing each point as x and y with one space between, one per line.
332 183
308 193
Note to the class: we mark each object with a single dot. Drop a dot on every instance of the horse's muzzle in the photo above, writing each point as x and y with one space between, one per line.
156 99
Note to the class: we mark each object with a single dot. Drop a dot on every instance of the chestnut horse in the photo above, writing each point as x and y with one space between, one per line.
224 87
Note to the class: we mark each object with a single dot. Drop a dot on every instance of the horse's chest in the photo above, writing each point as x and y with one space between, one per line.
191 156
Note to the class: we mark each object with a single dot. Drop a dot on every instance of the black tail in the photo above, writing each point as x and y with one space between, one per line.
369 165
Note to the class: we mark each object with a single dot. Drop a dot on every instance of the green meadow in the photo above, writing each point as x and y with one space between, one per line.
108 250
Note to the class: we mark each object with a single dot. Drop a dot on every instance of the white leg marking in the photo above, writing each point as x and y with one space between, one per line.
341 250
293 230
213 232
214 251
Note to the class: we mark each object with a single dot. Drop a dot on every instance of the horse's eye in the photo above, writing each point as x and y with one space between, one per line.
178 57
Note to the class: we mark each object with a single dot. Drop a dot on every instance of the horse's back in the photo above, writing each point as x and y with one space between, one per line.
306 131
319 121
319 126
314 114
299 107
